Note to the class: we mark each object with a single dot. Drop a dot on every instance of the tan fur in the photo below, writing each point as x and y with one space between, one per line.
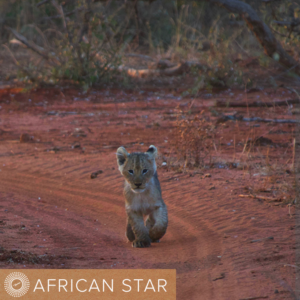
142 197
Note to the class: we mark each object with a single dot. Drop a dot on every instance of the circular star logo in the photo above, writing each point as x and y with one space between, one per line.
16 284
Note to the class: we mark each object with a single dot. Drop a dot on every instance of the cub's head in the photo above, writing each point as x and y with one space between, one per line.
137 168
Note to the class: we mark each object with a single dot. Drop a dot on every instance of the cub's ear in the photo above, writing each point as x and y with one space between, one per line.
152 151
122 155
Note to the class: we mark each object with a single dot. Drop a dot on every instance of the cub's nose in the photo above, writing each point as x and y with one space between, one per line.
138 185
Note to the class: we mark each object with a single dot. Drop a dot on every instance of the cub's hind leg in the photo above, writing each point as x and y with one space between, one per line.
157 223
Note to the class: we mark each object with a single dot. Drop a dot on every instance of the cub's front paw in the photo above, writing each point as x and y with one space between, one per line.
141 244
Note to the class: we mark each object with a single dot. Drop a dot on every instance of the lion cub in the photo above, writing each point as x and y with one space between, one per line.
142 197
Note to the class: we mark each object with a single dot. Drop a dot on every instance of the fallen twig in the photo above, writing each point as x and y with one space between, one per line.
95 174
263 239
269 199
222 276
257 119
253 298
176 70
224 118
257 103
293 266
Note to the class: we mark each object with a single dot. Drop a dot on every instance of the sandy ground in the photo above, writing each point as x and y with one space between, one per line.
53 215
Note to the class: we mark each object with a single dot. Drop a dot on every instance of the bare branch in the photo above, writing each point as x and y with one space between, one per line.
292 23
29 44
42 3
12 55
81 8
46 1
283 35
262 32
17 42
61 12
17 63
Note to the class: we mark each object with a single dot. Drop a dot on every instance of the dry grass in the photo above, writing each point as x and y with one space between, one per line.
197 145
194 137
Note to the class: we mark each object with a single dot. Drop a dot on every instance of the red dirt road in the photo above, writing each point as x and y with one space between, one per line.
53 215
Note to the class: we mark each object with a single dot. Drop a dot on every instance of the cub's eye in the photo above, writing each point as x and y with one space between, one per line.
145 171
130 171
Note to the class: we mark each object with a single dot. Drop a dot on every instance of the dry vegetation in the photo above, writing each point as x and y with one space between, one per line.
95 43
200 143
194 139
